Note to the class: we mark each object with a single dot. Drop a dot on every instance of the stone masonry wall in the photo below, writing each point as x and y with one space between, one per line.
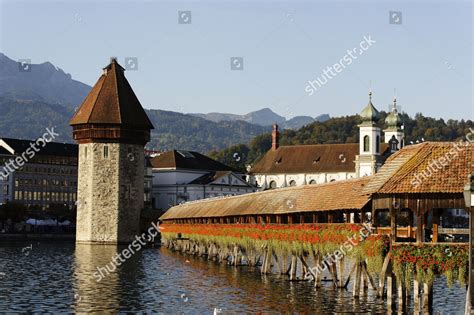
110 192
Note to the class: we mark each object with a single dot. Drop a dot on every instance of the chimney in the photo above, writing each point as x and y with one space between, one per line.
275 137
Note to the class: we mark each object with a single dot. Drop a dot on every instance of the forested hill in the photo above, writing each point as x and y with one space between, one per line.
27 119
342 130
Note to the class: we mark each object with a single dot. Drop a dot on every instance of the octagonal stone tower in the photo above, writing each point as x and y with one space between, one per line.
111 129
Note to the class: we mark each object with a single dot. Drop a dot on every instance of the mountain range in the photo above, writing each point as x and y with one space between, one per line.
43 95
264 117
39 82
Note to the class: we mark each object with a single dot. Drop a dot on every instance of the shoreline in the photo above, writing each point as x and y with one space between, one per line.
8 237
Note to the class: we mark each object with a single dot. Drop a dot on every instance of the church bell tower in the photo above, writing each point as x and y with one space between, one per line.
369 159
111 128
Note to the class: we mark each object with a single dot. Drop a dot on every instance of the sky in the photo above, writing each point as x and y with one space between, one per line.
421 51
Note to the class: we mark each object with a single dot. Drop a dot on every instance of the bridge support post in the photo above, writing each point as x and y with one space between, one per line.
401 296
340 272
357 280
427 298
294 265
390 286
317 280
416 296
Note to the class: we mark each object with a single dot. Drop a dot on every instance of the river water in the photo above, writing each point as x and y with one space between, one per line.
57 277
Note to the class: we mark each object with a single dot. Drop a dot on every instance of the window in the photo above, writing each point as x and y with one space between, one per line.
273 184
292 183
377 144
85 152
106 152
366 144
393 145
312 182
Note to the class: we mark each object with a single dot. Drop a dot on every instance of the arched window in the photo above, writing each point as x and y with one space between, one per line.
366 144
273 184
377 144
292 183
312 182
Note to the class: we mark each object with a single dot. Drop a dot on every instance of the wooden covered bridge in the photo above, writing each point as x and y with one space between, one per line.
392 227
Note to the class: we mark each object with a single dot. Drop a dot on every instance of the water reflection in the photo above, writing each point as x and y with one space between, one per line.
60 278
93 292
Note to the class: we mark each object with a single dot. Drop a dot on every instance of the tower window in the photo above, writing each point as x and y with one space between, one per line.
273 184
292 183
377 144
106 152
85 152
366 144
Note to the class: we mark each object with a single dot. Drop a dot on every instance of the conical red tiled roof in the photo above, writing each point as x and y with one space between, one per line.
112 101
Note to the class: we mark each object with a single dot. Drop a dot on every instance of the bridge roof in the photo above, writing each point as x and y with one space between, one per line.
341 195
429 167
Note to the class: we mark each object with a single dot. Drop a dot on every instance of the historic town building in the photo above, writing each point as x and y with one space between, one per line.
111 129
6 181
297 165
47 177
181 176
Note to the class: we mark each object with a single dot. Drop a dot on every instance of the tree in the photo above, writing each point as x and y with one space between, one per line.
14 211
60 212
343 130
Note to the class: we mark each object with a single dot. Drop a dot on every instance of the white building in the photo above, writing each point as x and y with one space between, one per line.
181 176
296 165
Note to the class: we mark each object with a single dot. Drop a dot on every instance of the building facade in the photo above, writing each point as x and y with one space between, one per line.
6 179
296 165
111 129
182 176
47 178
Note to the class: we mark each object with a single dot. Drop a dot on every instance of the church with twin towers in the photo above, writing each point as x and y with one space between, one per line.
296 165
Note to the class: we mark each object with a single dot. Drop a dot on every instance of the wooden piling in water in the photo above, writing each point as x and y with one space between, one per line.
340 272
357 280
368 277
416 296
427 298
317 279
294 265
386 267
333 271
401 295
390 287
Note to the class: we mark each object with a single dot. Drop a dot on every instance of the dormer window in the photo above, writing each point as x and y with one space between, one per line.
393 143
278 161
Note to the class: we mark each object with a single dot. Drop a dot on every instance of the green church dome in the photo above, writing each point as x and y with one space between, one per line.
370 113
393 119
